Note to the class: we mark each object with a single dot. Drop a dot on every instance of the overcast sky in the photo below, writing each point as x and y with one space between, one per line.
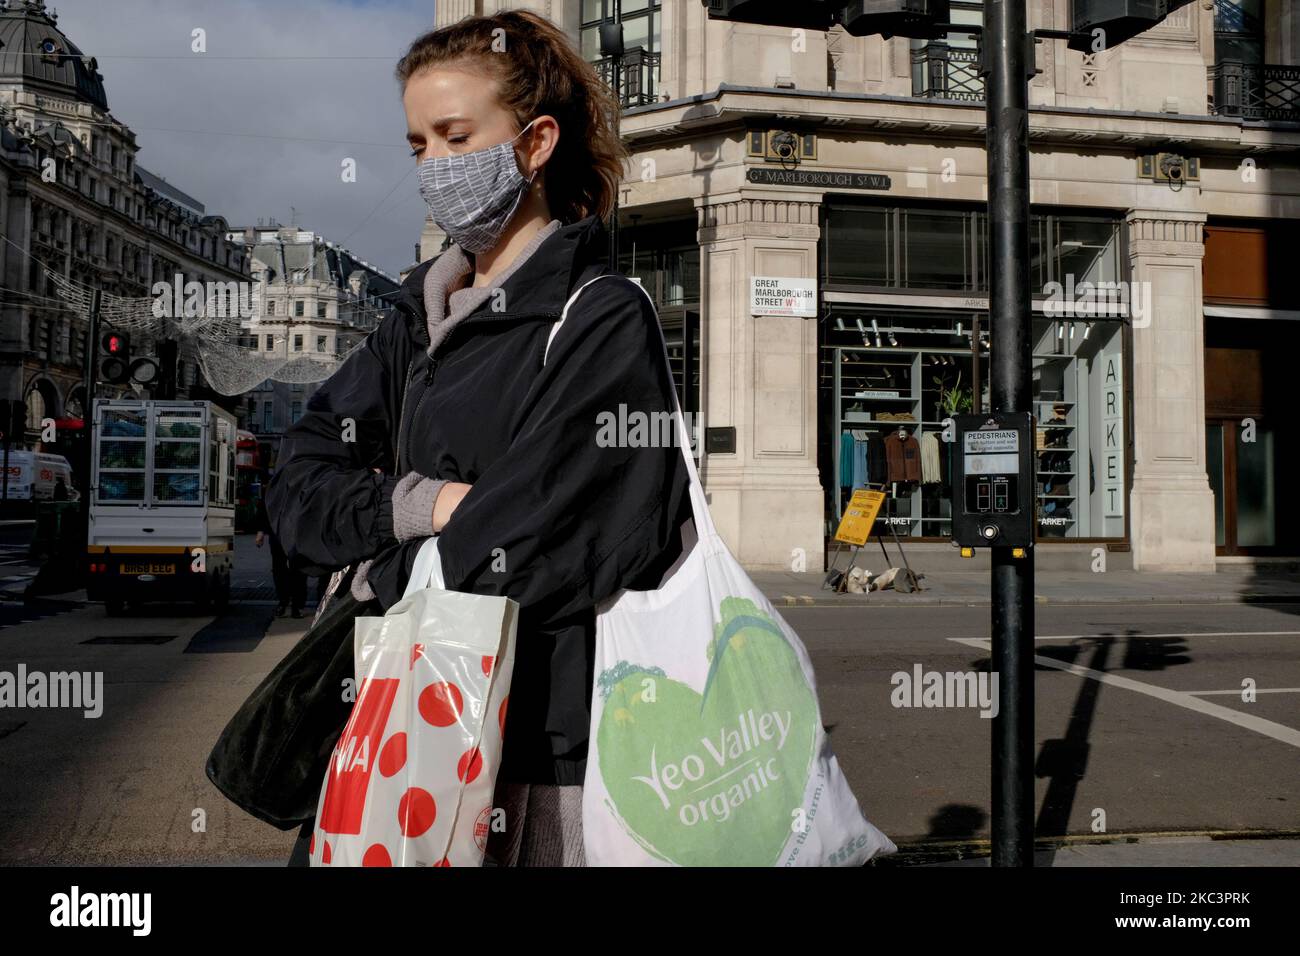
298 117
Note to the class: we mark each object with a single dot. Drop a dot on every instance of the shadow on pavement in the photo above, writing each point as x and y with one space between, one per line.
238 631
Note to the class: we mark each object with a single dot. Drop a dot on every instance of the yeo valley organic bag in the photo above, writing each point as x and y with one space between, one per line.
707 746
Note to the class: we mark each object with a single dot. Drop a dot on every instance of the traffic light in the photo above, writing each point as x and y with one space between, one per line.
144 370
1118 20
907 18
13 419
168 352
896 18
115 365
805 14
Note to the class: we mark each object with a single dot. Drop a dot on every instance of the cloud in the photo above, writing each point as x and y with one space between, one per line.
270 111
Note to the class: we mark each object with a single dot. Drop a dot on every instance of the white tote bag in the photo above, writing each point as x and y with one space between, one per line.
411 779
707 746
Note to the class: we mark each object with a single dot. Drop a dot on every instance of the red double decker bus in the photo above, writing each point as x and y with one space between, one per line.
250 478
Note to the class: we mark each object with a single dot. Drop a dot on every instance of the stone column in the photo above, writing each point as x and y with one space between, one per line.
1172 506
760 376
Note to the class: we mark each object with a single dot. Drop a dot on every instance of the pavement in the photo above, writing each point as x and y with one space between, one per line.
943 588
971 588
1143 851
1184 784
1231 584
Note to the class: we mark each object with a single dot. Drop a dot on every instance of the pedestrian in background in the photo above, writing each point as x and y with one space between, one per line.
290 585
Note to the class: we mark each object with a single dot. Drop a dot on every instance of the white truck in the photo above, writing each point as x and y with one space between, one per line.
162 502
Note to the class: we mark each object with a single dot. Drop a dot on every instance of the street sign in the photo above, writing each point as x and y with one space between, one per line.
860 517
819 178
769 295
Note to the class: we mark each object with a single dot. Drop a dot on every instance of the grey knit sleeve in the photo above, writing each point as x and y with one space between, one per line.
413 500
359 587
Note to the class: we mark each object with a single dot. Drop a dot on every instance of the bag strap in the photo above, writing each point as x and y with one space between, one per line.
699 505
427 571
555 329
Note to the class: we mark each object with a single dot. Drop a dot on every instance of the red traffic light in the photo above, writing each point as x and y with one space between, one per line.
114 364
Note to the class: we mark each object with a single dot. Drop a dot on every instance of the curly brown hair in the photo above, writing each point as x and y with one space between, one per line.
538 72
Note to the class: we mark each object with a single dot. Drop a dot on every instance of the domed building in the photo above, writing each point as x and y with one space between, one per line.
75 204
34 50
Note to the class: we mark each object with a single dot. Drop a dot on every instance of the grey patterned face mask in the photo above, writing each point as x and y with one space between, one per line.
473 195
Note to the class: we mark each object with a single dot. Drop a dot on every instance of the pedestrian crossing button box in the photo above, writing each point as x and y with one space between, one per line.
993 476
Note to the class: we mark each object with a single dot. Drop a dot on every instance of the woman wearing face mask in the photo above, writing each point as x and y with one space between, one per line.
469 427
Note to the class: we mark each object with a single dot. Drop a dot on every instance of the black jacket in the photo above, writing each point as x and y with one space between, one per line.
570 521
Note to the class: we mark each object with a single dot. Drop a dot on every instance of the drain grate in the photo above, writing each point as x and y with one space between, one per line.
131 639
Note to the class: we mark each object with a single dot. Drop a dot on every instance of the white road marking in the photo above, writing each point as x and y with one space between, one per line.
1179 698
1082 637
1239 690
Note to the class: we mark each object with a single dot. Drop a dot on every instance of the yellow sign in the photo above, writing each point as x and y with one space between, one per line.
860 517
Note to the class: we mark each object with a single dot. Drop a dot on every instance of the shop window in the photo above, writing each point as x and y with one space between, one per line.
1239 31
642 22
940 249
948 68
1081 440
937 249
671 275
1082 250
893 376
861 249
682 336
889 378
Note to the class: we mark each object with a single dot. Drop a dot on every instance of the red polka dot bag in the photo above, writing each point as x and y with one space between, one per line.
410 780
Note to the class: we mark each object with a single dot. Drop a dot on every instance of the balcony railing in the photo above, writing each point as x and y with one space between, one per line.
640 76
1258 91
942 72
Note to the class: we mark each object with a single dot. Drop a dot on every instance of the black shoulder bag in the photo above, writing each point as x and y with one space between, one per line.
272 758
274 753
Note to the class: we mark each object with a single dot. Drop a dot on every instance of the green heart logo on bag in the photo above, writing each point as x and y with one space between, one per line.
714 778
